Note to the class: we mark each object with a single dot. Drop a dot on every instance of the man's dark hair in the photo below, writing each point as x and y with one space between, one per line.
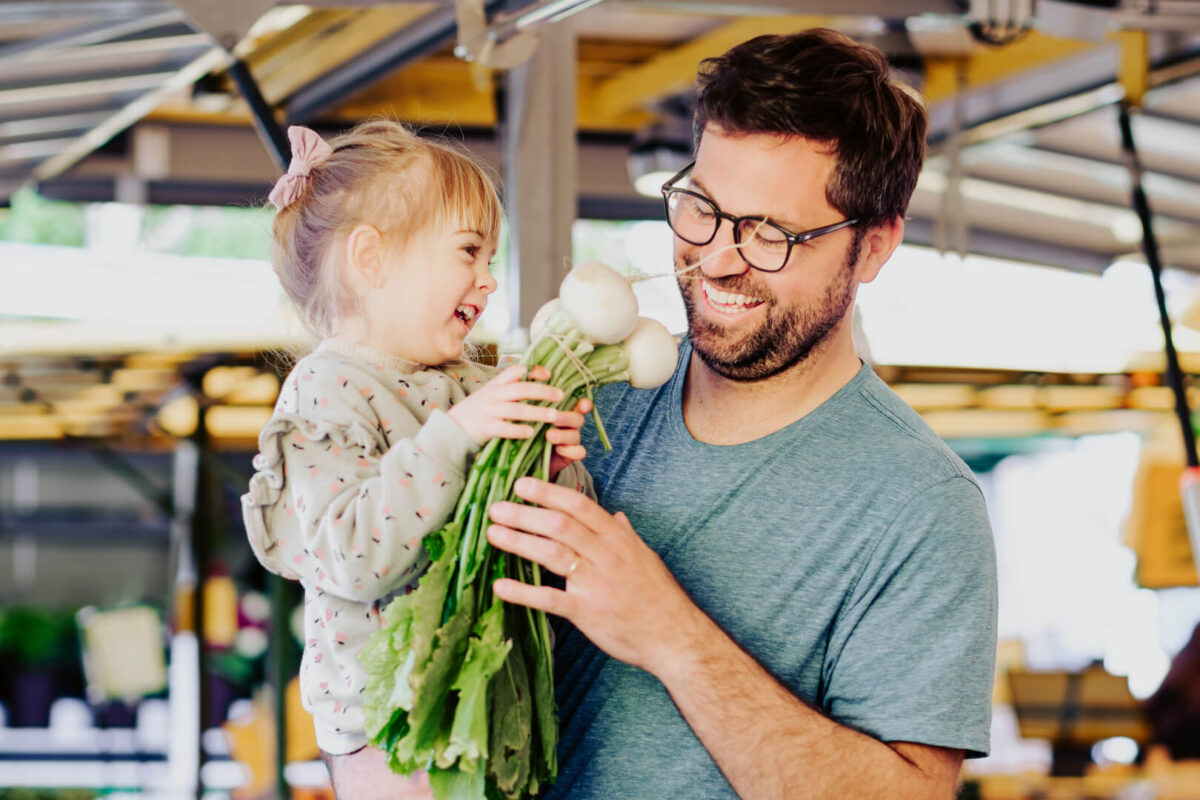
822 85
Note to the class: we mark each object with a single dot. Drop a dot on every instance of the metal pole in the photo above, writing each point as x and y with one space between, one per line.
268 127
1150 247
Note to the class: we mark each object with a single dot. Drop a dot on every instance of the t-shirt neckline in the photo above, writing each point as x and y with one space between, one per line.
680 430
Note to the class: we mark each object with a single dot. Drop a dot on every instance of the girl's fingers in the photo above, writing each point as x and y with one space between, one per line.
508 430
529 390
509 375
563 436
571 452
569 419
528 413
539 373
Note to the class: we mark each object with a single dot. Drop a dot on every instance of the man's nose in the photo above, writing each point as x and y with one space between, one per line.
721 256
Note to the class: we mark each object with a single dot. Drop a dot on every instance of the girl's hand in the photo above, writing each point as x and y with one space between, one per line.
498 409
565 437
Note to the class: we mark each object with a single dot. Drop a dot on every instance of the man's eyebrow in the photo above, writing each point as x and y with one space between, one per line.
790 226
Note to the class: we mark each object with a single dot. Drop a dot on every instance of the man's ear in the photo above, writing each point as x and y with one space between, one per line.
877 247
364 257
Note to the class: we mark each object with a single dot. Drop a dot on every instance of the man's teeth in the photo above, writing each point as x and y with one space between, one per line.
728 298
465 313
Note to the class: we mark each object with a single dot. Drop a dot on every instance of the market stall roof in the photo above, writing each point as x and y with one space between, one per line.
126 99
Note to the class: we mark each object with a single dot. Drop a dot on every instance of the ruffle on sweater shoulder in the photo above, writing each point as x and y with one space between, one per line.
269 482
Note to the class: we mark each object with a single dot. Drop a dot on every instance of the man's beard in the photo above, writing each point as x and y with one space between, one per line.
785 338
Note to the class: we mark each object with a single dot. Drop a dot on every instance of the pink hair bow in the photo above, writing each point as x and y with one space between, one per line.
308 150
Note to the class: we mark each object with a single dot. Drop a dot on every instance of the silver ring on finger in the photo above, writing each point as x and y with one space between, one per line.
574 565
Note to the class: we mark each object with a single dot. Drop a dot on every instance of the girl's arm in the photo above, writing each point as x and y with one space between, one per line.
335 506
331 507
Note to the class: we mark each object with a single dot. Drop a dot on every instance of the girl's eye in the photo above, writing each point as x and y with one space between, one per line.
471 249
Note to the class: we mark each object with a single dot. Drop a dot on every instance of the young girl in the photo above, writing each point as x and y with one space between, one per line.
382 241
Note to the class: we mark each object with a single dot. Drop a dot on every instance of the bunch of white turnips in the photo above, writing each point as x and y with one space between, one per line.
459 684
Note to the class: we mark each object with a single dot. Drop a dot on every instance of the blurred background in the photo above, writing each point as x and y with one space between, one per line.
143 338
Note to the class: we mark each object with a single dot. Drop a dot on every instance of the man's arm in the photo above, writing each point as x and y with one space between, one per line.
769 743
620 595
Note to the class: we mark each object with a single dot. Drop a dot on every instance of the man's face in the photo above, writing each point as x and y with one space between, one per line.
748 325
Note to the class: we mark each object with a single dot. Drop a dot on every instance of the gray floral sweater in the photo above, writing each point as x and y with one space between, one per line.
358 463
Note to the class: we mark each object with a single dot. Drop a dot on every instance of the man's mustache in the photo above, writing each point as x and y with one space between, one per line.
736 284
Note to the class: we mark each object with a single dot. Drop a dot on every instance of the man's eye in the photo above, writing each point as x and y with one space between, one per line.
770 242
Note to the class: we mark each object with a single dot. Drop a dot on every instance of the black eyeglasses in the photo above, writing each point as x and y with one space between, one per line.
762 244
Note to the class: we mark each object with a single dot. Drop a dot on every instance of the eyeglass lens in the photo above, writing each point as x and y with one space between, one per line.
695 220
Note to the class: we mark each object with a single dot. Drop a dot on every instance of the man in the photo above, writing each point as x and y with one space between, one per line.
795 594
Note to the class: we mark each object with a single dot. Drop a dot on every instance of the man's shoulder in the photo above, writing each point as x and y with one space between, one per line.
890 431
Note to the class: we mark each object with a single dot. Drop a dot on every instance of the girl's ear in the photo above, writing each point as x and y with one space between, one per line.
365 256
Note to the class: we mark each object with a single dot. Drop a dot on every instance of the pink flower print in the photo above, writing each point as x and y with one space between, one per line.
314 472
403 482
424 512
339 637
335 451
438 479
342 380
335 486
298 559
357 548
320 574
414 541
312 642
386 569
433 406
324 403
291 512
319 552
299 438
318 658
365 392
337 708
307 377
324 686
386 511
328 614
402 392
364 463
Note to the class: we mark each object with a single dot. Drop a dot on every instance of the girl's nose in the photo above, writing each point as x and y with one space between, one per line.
485 281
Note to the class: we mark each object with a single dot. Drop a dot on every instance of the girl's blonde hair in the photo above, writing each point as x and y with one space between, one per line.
383 174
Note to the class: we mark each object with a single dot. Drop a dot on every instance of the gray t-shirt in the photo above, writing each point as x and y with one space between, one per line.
849 553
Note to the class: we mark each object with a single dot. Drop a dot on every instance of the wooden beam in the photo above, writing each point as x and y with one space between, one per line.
347 34
992 65
674 70
441 91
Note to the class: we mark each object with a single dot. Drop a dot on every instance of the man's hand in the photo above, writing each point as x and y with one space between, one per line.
618 592
623 598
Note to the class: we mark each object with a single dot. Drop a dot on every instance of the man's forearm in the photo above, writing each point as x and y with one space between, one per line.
768 742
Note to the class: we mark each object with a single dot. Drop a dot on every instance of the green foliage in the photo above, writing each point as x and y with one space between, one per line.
32 219
37 637
31 793
218 232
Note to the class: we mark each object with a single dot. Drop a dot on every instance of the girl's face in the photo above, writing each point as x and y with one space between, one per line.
434 287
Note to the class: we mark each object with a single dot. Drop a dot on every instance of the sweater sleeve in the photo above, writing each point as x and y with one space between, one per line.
330 504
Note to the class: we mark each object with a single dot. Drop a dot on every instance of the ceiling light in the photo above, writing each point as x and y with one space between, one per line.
658 152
